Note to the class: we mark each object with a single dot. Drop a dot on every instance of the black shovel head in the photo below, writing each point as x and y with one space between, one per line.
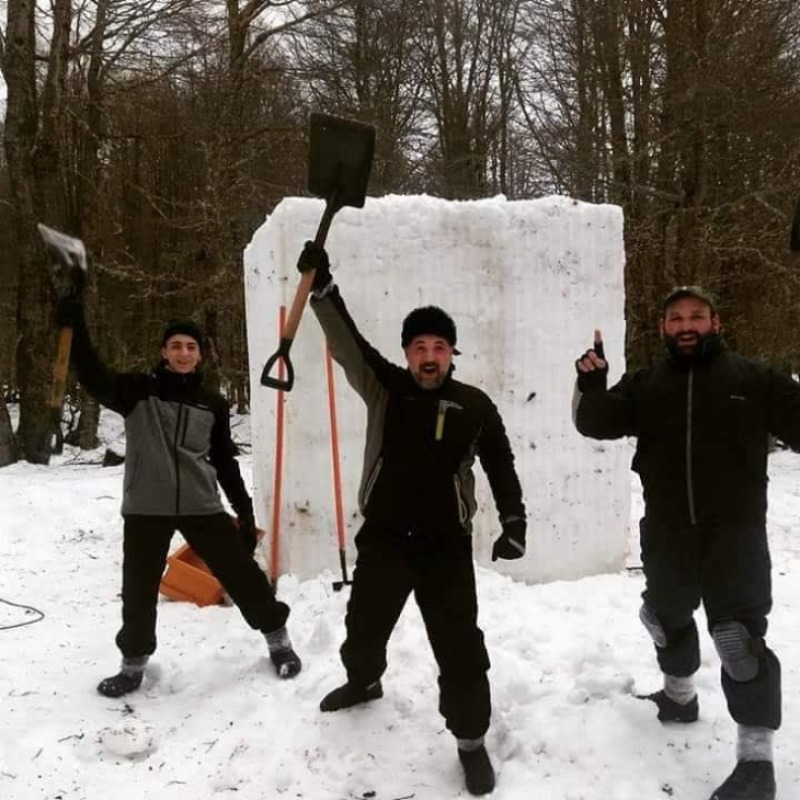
339 159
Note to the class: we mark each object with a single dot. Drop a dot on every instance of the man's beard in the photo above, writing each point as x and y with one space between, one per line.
429 376
684 344
689 349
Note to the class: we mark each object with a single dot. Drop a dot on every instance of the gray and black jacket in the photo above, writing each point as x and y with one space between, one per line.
178 437
702 428
421 444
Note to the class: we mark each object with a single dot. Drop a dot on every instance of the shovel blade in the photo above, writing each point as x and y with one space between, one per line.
67 253
339 159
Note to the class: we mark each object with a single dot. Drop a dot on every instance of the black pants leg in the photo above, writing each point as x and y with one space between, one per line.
671 557
737 586
144 554
215 540
444 587
380 588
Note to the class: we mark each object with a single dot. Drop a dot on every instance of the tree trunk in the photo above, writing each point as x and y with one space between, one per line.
8 449
36 342
86 433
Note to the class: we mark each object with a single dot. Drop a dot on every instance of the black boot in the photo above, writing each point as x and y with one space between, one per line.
750 780
127 680
281 653
349 695
478 770
286 662
669 710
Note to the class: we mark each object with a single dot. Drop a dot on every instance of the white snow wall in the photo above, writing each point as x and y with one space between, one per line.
526 283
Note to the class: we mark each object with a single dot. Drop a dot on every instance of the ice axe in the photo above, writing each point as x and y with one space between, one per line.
339 162
70 270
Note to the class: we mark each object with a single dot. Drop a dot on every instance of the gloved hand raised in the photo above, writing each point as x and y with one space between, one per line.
314 257
68 309
511 542
592 367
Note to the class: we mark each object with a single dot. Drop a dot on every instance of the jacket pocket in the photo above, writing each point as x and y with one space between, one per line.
370 483
196 433
461 505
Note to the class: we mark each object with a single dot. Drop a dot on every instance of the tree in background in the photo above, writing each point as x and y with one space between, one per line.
164 131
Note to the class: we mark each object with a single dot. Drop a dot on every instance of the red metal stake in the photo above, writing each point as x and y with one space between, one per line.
337 475
275 545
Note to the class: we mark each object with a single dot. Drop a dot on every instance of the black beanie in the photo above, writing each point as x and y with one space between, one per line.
182 326
430 320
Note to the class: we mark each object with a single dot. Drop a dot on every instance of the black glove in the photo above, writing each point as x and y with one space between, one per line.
511 542
68 312
597 379
247 530
314 257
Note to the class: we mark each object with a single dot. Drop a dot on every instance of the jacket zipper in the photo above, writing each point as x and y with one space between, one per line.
175 458
689 478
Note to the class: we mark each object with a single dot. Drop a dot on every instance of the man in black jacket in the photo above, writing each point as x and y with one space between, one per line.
702 418
178 447
424 430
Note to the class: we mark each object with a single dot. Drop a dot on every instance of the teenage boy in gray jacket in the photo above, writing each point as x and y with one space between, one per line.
178 448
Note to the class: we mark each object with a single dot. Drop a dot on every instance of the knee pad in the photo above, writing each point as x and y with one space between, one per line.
653 625
737 650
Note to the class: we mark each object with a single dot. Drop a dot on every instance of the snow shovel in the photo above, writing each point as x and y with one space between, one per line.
70 269
339 162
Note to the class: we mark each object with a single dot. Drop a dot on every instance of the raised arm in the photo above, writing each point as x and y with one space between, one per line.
599 412
367 371
112 389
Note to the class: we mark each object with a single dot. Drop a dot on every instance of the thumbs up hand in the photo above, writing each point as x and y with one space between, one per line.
592 367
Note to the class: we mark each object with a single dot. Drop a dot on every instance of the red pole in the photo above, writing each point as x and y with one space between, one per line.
275 545
337 475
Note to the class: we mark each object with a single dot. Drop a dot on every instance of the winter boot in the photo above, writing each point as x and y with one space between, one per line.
127 680
349 695
478 770
751 780
286 662
670 711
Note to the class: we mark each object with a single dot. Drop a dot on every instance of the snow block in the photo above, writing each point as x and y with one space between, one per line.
526 282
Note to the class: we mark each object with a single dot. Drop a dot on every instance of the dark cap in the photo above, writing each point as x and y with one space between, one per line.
186 327
429 320
698 292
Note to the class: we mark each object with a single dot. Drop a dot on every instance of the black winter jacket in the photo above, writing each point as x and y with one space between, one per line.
421 444
702 433
178 438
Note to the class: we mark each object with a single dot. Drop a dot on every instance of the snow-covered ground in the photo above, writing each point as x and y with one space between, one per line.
212 719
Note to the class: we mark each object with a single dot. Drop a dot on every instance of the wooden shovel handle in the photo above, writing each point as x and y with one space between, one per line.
296 311
60 369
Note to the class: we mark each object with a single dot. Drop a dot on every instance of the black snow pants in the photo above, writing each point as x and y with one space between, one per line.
440 573
727 567
214 538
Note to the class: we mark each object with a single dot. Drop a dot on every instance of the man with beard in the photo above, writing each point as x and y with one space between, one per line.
702 418
424 430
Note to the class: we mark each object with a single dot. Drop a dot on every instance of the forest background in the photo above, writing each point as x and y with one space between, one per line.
162 132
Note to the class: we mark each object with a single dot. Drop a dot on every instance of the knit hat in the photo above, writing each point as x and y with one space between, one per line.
430 320
698 292
182 326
